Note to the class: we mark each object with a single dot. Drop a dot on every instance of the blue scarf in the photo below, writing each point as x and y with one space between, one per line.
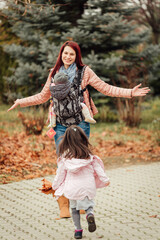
71 71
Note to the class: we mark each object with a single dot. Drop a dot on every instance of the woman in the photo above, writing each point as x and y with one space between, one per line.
69 61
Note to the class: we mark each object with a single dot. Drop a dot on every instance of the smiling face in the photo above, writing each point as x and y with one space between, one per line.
68 56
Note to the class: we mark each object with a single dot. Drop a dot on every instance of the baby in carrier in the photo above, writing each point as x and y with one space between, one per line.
61 91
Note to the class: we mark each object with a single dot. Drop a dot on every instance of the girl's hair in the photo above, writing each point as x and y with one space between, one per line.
78 60
74 144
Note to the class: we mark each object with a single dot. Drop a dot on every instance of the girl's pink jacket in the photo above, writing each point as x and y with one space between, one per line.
78 178
89 78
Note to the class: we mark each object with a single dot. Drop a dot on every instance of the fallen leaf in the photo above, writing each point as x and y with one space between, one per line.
153 216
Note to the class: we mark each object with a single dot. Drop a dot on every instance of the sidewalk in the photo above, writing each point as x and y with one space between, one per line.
128 209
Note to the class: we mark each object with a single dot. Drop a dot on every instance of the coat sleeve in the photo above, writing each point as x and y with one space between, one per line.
105 88
99 170
60 175
39 98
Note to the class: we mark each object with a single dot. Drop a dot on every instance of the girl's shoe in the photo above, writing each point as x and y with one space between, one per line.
78 234
91 222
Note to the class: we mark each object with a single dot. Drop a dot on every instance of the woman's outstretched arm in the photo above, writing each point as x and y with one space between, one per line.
36 99
92 79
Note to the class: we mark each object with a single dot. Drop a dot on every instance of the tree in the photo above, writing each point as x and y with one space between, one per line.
6 62
74 9
105 30
39 26
140 66
39 30
149 16
110 39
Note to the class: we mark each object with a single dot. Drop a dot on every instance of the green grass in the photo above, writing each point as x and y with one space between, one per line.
114 131
150 115
150 112
10 122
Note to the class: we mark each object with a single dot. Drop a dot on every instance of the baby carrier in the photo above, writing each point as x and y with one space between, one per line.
67 100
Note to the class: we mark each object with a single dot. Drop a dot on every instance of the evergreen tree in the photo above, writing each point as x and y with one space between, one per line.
105 34
109 41
39 27
148 16
108 38
6 62
105 25
74 9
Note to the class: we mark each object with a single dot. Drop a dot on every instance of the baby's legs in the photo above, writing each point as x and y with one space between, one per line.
86 113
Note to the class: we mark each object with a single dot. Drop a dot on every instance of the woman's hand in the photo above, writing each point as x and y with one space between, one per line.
16 103
137 91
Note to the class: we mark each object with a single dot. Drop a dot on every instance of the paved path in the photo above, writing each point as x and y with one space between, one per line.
128 209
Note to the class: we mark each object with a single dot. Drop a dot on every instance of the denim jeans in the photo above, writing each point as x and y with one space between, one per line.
60 130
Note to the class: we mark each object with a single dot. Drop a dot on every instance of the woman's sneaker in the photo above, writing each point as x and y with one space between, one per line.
78 234
91 222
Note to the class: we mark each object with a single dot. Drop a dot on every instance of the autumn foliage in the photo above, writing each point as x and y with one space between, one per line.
29 156
26 157
32 125
125 152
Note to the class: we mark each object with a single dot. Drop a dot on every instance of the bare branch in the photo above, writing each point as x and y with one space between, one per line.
149 15
28 2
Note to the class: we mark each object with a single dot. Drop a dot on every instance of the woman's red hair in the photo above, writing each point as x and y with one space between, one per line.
78 60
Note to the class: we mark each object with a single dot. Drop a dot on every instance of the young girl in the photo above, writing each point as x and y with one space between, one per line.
78 175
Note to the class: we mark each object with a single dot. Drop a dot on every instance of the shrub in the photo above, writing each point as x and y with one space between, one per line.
156 130
106 115
33 124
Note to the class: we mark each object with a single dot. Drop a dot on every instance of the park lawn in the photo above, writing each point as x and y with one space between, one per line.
124 146
28 156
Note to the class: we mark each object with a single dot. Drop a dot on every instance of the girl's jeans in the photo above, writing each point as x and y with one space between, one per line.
60 130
